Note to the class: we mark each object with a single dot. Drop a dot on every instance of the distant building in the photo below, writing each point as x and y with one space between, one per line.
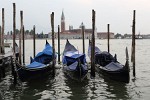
146 36
63 22
27 36
137 36
72 33
77 33
10 36
65 34
104 35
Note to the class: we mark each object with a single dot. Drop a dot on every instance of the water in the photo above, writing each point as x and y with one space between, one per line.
62 88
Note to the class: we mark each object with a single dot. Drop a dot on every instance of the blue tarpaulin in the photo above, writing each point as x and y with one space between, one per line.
71 55
42 58
36 65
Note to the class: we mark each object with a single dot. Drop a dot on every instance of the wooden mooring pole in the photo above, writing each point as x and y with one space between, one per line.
0 40
133 44
83 39
93 45
34 41
20 39
1 64
14 27
58 44
14 49
3 24
108 37
53 41
23 43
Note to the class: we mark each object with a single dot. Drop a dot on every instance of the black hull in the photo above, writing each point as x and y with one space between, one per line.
26 74
75 75
118 75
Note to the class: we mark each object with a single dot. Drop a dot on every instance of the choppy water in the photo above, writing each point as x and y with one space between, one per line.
62 88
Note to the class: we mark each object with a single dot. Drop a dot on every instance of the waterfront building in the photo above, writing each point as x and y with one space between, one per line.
77 33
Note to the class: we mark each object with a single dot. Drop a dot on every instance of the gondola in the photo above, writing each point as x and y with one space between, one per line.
74 63
39 67
109 67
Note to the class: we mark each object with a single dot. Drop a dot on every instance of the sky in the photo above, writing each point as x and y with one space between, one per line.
117 13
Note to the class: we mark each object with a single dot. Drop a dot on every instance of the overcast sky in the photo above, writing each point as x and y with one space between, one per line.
117 13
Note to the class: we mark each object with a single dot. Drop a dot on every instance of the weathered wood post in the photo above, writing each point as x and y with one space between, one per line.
0 40
34 41
1 64
20 39
14 37
83 39
93 45
133 43
58 44
53 41
3 24
23 43
108 36
14 27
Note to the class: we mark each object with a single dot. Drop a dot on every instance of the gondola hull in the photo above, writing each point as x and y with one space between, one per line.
78 75
118 75
28 74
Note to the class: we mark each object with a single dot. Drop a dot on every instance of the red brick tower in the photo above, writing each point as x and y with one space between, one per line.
62 22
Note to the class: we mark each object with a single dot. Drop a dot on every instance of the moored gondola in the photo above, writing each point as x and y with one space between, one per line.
109 67
74 63
39 67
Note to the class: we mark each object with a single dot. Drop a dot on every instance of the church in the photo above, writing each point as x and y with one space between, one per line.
77 33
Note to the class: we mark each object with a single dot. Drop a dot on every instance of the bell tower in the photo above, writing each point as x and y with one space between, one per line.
62 22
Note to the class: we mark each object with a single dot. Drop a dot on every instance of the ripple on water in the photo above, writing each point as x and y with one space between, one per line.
99 88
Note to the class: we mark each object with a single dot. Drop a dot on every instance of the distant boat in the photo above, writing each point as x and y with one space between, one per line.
108 66
39 67
74 63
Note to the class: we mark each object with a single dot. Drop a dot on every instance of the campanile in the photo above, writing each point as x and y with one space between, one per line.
62 22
